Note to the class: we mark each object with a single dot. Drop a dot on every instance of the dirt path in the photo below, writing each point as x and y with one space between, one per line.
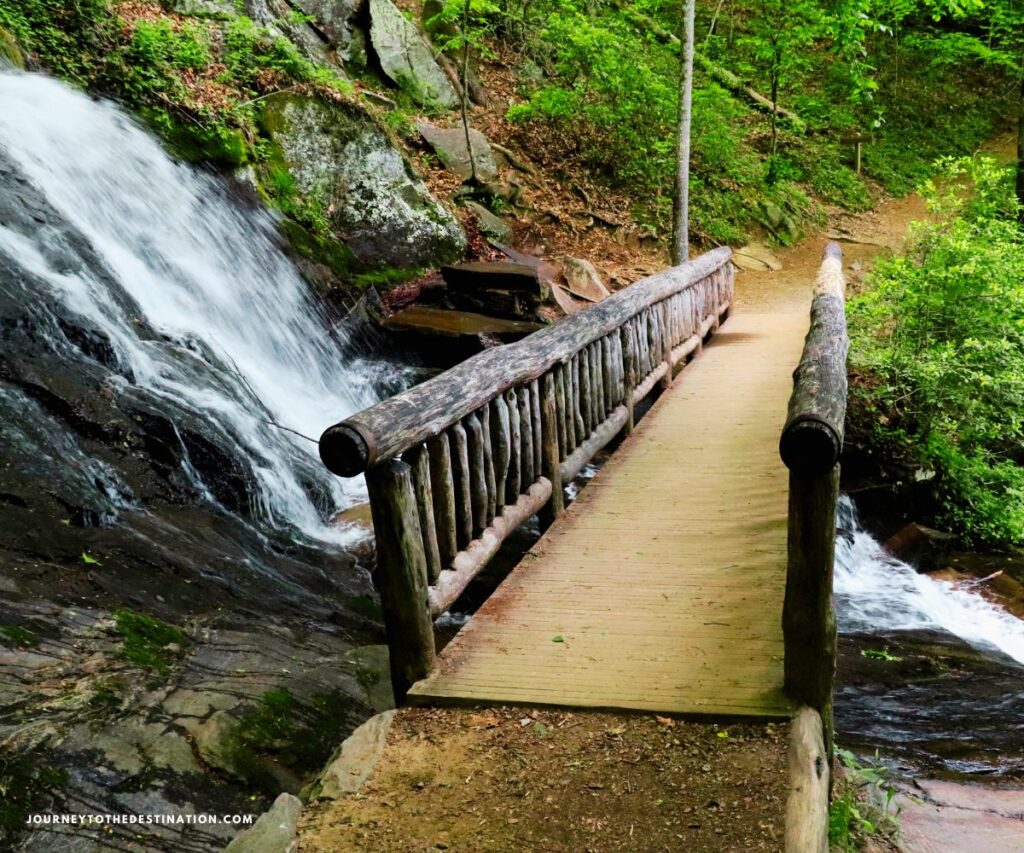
558 782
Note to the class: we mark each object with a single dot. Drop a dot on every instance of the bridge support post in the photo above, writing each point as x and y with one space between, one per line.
808 616
401 576
550 455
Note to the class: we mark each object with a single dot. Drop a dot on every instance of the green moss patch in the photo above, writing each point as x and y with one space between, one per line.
148 641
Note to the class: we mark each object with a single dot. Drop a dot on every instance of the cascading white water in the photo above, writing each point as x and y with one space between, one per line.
250 346
875 592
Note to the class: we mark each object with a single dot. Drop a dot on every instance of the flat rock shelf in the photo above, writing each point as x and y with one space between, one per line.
661 587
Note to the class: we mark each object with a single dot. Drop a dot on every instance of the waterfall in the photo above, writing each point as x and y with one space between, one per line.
197 302
875 593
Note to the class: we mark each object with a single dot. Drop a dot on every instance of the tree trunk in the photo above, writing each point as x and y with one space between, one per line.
1020 150
473 180
681 236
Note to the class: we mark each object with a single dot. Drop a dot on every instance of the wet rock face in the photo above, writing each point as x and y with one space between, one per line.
933 704
381 208
97 517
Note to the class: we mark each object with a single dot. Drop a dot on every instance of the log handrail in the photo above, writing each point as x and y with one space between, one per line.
810 446
454 465
394 425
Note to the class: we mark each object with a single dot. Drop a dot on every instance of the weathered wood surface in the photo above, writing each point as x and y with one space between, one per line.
394 425
813 436
808 617
401 576
807 803
664 580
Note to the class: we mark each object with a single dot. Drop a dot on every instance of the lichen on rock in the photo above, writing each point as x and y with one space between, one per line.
339 159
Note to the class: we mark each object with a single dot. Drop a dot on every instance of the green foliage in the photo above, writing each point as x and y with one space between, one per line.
148 641
939 338
862 805
880 654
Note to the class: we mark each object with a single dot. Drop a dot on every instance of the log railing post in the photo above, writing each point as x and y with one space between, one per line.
811 443
551 458
401 576
629 371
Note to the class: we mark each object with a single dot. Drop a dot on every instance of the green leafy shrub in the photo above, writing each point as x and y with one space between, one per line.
862 806
939 341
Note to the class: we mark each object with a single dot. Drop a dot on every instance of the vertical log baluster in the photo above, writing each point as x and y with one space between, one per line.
538 440
513 485
477 478
461 477
586 408
550 464
500 440
439 450
489 477
526 438
562 409
418 460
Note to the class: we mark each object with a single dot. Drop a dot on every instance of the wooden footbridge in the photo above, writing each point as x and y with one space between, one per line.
691 575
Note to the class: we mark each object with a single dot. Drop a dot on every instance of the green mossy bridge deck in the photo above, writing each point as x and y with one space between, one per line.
662 586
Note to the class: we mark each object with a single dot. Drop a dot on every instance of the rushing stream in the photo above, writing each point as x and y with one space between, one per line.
940 689
190 295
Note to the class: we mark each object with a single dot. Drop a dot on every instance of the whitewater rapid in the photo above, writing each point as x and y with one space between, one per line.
876 593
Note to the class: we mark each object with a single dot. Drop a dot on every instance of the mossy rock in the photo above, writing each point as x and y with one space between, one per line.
10 52
333 161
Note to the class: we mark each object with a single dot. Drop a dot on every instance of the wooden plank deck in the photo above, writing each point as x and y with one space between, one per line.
664 580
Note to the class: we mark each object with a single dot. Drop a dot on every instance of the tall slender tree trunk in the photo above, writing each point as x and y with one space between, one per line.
473 180
1020 150
681 230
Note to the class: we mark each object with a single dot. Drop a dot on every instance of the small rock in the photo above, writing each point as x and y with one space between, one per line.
357 758
449 143
921 547
274 831
583 280
490 225
756 257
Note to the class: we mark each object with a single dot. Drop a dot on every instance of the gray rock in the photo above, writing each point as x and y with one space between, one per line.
274 831
338 156
490 225
582 279
210 8
278 18
449 143
756 257
337 22
357 758
405 57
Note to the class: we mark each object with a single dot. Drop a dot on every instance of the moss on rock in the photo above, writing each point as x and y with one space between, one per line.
333 156
10 52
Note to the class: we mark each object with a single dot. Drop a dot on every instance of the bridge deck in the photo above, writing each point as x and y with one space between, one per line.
661 587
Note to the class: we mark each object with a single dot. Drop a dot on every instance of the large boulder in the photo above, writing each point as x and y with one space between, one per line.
340 159
449 143
405 57
274 832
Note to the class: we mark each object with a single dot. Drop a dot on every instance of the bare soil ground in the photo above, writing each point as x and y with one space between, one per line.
517 779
